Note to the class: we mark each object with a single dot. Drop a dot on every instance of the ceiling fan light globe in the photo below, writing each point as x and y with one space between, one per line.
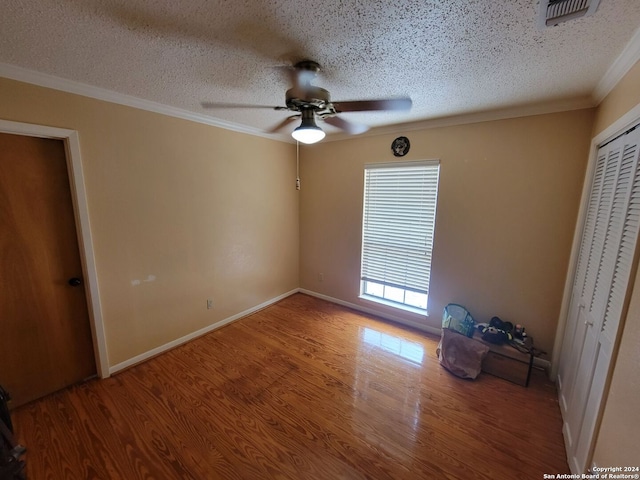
308 134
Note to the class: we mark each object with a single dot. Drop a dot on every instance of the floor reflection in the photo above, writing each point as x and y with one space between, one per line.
388 383
414 352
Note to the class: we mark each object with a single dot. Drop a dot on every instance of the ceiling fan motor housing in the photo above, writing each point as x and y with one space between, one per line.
310 96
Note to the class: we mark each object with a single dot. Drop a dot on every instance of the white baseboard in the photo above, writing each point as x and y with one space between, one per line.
198 333
371 311
542 363
538 362
203 331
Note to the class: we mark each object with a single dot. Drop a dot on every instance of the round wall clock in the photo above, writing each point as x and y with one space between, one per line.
400 146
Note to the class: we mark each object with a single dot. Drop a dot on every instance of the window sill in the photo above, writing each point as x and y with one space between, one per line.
399 306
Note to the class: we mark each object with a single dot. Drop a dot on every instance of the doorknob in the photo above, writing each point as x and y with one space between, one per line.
588 323
75 282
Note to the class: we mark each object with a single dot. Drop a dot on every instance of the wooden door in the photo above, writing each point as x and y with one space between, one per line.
45 338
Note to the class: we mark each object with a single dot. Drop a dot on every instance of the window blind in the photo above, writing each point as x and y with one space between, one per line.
398 224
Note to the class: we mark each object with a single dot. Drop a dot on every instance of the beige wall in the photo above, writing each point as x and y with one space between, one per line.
619 435
507 207
208 212
619 101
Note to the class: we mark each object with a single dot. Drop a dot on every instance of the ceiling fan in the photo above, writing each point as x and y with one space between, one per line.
311 102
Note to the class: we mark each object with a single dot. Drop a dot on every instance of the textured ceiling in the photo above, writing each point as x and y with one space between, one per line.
451 57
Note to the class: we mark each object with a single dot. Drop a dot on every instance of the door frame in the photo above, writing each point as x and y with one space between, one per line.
622 124
83 228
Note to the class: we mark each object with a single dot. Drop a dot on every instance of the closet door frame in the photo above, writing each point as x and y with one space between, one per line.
623 124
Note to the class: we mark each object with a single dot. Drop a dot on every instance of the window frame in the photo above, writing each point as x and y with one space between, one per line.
425 203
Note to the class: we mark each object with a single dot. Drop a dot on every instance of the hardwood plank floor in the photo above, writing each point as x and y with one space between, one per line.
303 389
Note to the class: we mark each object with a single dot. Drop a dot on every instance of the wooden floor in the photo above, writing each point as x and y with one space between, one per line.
303 389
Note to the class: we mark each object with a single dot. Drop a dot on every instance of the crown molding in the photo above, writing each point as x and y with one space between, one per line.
619 68
40 79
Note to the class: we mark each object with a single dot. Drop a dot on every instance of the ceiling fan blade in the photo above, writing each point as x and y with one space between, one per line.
283 124
392 104
349 127
238 105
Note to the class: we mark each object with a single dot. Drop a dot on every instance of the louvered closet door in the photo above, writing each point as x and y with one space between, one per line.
575 329
600 288
582 340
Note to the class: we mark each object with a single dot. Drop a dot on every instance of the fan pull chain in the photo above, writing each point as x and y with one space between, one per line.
297 165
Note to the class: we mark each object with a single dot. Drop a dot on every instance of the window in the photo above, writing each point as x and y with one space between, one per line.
397 233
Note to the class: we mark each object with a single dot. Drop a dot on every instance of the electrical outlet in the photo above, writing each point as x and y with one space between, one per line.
209 303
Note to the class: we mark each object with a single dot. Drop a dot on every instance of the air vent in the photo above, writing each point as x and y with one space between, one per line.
553 12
